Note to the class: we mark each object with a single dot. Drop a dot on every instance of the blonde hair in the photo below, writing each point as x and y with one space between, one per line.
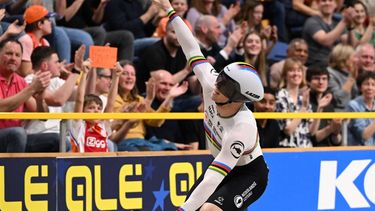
339 55
289 63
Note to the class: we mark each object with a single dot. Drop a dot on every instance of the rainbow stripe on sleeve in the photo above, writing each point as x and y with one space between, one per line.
220 168
172 15
196 60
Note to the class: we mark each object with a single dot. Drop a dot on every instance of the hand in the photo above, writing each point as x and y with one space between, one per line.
372 20
153 9
2 14
235 38
234 9
118 69
78 57
65 69
164 4
348 15
336 125
150 89
274 36
325 101
305 98
353 67
183 146
266 32
41 81
86 66
178 90
15 29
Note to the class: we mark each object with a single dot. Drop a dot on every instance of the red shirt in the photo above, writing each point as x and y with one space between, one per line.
95 139
17 84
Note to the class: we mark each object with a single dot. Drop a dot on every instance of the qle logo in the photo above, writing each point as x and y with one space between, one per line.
344 182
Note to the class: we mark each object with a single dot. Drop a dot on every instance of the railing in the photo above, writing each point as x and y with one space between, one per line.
176 115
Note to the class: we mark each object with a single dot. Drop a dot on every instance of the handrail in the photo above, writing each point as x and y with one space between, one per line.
182 115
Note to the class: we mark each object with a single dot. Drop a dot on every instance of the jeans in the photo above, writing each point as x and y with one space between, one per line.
43 142
64 39
13 139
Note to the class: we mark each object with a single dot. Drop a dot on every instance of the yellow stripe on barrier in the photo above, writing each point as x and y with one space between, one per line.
177 115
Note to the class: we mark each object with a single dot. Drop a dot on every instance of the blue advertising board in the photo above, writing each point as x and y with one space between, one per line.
328 180
304 181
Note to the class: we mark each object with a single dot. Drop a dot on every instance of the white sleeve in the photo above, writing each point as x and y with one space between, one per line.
204 71
235 143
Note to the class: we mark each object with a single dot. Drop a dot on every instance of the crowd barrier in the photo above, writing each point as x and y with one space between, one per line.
340 179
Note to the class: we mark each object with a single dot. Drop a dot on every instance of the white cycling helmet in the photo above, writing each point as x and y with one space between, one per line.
240 82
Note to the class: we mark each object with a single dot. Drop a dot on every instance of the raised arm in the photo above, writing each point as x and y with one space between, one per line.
113 91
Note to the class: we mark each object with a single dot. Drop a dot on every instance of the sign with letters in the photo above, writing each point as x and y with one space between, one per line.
308 181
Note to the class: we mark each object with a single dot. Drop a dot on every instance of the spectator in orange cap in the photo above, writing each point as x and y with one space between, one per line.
38 24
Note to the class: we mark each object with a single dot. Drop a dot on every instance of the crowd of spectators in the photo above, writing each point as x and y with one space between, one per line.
328 65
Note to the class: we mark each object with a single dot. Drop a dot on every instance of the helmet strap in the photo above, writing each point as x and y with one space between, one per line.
222 104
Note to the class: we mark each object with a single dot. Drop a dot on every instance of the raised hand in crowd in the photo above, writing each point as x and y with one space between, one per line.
178 90
324 101
233 10
13 29
150 90
305 100
234 40
78 57
41 81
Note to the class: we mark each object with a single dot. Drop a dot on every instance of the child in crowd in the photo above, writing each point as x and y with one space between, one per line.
92 135
181 7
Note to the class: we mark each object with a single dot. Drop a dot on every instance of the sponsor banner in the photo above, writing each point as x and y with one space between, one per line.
310 181
127 183
27 184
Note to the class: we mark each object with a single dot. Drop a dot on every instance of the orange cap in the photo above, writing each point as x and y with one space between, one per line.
35 13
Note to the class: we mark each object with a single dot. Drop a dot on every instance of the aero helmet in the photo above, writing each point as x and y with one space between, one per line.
239 82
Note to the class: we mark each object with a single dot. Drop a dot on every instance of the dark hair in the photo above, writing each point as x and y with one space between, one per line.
92 98
316 70
365 76
34 26
40 54
4 42
269 90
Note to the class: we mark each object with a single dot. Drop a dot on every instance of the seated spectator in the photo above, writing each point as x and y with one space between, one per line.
297 49
255 54
297 12
323 32
92 135
181 7
366 57
252 13
362 32
329 131
134 138
130 15
361 132
267 104
88 15
38 25
179 132
207 31
165 54
64 39
17 96
292 98
215 8
342 76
